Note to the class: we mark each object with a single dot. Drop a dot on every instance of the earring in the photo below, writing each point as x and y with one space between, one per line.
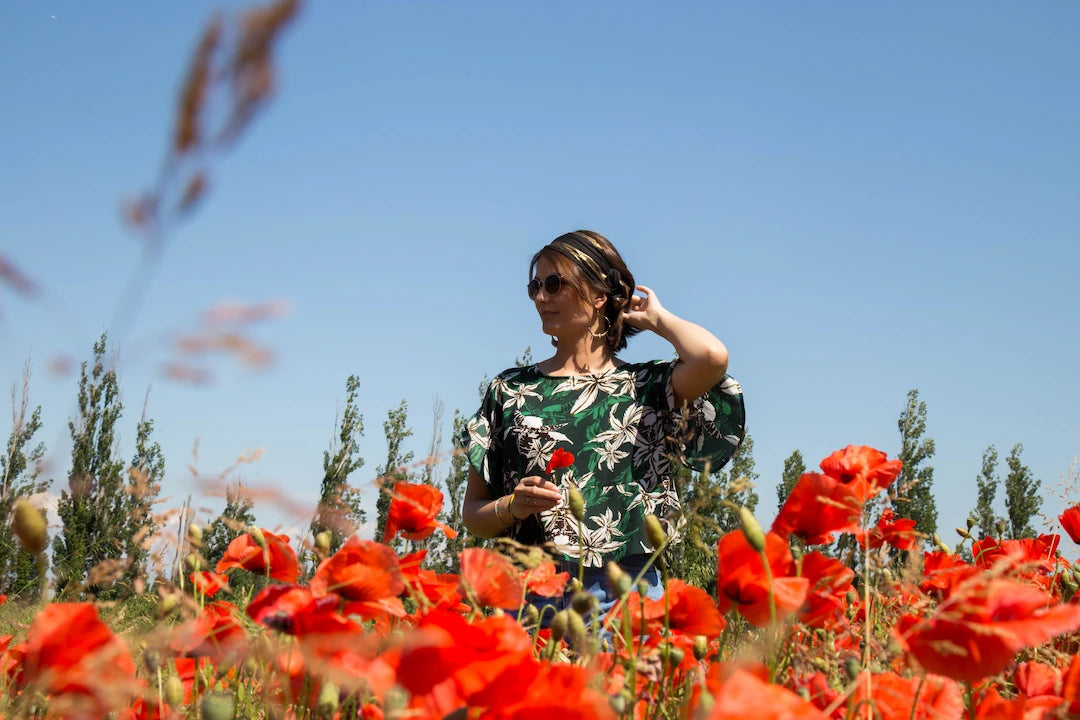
554 341
602 335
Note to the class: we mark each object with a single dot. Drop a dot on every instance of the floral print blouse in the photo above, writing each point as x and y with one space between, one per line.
624 432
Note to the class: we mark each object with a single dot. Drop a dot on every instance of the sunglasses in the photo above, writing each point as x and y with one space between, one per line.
552 284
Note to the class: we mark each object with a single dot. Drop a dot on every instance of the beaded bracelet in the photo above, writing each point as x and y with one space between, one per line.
498 515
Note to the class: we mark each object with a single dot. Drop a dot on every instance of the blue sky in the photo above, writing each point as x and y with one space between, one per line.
857 198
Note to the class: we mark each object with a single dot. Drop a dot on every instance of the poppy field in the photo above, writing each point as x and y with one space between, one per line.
891 631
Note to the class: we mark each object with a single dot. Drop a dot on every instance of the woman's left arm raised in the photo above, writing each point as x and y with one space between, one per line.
704 359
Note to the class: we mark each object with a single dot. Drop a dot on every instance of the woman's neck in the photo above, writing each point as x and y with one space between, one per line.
585 356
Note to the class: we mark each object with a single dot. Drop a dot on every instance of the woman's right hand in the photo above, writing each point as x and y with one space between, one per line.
534 494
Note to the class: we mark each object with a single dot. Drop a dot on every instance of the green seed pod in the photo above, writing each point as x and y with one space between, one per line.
701 647
168 604
642 588
583 603
559 625
618 704
940 544
194 533
218 705
329 697
654 531
852 667
532 615
1076 572
576 629
28 524
322 543
1000 526
193 562
174 691
577 504
618 579
676 655
970 522
705 703
963 533
751 530
257 535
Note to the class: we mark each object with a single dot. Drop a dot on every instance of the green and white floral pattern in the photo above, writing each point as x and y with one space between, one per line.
624 433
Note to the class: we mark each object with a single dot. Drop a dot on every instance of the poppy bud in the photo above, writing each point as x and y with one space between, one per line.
701 647
620 582
654 532
257 535
193 562
577 504
940 544
168 604
328 701
705 703
970 522
676 655
532 615
194 533
218 705
576 629
852 667
1076 573
29 526
322 543
174 691
1000 526
751 529
963 533
583 603
559 624
642 588
618 704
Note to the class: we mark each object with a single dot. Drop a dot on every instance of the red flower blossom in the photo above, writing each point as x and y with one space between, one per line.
900 533
209 583
863 469
439 589
413 509
555 690
690 611
829 581
743 583
274 556
981 625
489 579
942 571
892 697
818 506
285 607
1036 678
366 574
73 657
216 633
559 459
1070 520
744 695
1038 552
544 581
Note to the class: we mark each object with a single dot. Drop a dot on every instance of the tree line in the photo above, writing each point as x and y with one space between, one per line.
109 542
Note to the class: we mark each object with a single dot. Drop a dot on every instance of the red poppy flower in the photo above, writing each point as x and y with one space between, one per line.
744 695
690 611
1070 520
413 509
555 690
942 571
489 579
559 459
743 583
829 581
818 506
73 657
215 633
439 589
366 574
892 697
209 583
1040 552
1036 678
890 530
544 581
274 557
863 469
284 607
981 626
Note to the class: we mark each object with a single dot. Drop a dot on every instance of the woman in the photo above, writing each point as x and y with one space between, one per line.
623 422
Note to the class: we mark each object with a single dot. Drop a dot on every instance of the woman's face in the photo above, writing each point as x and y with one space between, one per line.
563 314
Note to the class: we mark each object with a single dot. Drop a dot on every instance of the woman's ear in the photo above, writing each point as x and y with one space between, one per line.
599 300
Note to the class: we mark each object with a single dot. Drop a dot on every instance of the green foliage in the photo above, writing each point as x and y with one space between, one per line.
1022 499
340 512
20 468
397 431
235 519
707 517
93 509
794 467
912 493
144 485
983 515
454 483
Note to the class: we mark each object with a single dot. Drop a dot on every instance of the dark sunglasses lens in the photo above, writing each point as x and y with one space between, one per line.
552 284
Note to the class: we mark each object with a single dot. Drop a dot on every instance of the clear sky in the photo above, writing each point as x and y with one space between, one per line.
857 198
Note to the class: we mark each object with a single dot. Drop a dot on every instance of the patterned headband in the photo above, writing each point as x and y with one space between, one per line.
589 254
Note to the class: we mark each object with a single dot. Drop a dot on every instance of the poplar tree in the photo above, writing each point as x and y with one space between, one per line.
340 512
912 493
794 467
986 481
92 508
456 479
145 474
397 431
20 468
236 518
1022 500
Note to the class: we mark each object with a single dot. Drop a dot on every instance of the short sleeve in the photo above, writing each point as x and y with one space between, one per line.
711 428
481 441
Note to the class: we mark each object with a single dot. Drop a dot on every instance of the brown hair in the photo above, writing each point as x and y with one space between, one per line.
617 286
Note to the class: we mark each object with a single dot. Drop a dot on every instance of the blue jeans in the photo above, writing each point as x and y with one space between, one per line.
596 583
